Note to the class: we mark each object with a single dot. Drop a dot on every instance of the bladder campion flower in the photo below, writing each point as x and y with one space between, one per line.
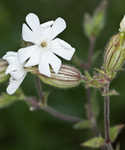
16 71
45 44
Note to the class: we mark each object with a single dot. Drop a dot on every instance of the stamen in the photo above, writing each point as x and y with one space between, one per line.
44 44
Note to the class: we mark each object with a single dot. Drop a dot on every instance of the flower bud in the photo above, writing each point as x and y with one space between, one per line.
67 77
114 55
3 66
122 25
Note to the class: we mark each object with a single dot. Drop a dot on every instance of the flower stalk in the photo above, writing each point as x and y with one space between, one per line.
107 118
92 40
90 113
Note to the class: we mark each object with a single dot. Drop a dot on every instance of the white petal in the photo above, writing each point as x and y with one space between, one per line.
34 59
9 69
54 61
14 85
58 26
25 53
33 21
47 24
62 49
11 58
9 55
44 66
27 34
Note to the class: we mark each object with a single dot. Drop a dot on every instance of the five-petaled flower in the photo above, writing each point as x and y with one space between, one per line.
45 44
16 71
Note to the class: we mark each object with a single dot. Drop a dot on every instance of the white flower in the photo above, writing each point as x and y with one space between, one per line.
122 25
45 46
16 70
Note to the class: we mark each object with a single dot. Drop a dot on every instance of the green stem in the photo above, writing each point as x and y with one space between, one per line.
35 105
107 118
90 112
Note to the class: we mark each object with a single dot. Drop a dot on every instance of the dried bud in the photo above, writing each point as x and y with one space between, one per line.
114 55
67 77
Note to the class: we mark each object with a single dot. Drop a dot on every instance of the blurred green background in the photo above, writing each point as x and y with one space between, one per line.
21 129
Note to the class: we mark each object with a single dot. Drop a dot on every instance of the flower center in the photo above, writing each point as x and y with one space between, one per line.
44 44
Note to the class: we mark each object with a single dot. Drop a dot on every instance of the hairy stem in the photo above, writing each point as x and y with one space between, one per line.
107 118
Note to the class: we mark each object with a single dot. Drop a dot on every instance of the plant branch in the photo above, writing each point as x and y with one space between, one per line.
39 89
35 105
107 118
90 113
91 50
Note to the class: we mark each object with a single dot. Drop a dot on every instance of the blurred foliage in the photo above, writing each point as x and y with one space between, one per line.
22 129
7 100
94 24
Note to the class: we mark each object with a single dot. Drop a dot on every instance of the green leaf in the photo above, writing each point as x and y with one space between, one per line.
95 142
88 27
94 24
82 125
114 131
7 100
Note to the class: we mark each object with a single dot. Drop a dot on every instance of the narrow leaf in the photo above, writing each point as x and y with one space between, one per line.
82 125
95 142
114 131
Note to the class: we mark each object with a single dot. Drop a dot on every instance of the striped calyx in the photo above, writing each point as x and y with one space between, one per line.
67 77
115 55
3 67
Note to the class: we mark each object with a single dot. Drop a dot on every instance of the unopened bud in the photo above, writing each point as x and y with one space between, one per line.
122 25
115 55
3 66
67 77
